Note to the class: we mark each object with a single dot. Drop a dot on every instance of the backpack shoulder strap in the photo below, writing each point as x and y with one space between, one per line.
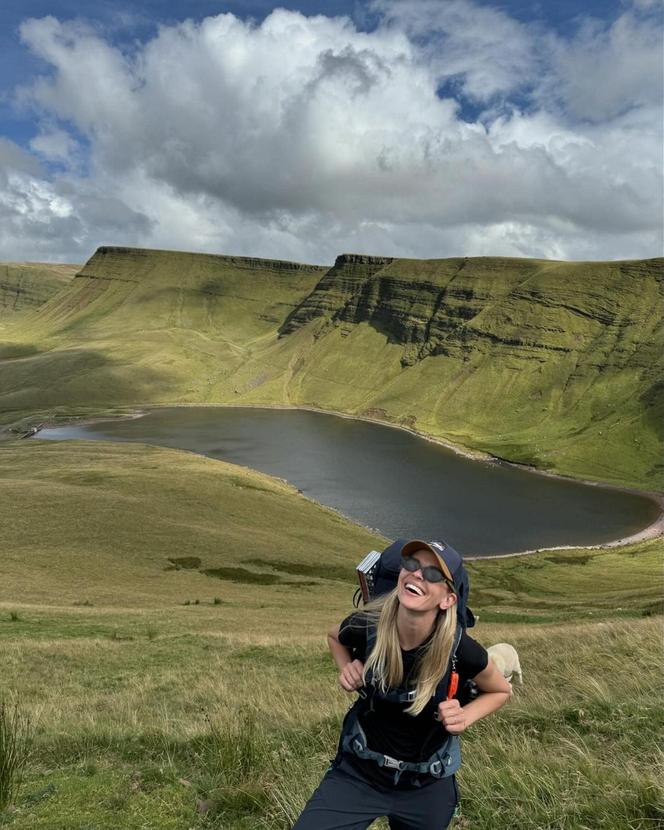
441 689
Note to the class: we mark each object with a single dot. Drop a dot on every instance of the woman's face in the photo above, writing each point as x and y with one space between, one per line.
417 594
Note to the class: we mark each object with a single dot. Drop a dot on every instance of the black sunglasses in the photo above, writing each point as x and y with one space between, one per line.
430 572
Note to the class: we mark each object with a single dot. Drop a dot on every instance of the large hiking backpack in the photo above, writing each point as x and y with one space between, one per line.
378 573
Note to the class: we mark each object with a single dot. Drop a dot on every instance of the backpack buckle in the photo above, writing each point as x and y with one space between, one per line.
436 768
411 695
392 763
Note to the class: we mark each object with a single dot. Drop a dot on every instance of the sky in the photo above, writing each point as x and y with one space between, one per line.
411 128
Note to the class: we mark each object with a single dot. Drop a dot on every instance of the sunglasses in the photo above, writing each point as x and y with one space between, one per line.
429 572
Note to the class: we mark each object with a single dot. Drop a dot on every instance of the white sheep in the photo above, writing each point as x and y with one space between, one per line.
506 660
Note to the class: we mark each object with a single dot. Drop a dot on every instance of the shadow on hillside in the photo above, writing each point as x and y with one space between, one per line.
12 351
78 377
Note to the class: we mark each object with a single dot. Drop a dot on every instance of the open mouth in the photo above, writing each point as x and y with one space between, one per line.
414 589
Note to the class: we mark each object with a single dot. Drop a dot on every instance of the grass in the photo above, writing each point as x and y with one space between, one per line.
15 735
138 733
129 525
163 698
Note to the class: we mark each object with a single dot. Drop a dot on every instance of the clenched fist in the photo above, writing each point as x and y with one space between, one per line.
451 715
350 676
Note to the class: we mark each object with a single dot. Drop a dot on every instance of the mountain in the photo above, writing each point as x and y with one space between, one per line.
556 364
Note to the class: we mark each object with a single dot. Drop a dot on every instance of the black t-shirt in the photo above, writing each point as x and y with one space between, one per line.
388 728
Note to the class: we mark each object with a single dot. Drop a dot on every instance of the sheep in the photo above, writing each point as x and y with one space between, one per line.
506 660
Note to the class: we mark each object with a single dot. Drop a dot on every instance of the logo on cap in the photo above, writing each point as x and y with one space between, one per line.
437 545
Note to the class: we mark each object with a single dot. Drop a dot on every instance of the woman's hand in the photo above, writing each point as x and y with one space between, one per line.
495 692
351 676
451 715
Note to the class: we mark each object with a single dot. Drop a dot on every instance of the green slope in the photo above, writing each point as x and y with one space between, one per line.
556 364
26 285
129 525
135 526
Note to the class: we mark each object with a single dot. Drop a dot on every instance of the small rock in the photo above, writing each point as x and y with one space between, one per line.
204 806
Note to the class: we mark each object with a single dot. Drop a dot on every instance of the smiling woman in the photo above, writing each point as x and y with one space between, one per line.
405 654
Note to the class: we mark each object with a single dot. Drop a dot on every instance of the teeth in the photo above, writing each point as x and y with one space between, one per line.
415 589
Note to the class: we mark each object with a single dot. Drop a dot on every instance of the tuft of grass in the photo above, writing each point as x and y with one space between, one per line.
118 636
14 616
185 562
15 742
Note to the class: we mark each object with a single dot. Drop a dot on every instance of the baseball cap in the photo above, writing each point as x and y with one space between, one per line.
447 557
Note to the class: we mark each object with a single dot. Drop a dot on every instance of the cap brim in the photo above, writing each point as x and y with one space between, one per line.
417 544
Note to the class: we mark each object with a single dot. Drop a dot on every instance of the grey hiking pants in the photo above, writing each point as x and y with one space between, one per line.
344 800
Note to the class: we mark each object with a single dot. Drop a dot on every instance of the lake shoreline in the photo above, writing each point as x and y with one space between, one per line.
652 531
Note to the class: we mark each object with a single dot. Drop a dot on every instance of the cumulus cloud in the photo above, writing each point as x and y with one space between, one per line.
47 218
483 49
605 71
303 137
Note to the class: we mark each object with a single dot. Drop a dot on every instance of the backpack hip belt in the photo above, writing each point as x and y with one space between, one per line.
445 761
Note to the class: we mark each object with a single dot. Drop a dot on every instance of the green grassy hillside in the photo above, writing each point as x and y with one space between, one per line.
26 285
129 525
162 619
560 365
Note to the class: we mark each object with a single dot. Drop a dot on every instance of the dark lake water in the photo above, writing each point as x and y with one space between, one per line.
391 480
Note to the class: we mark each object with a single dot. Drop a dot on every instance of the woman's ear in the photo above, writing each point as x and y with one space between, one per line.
448 600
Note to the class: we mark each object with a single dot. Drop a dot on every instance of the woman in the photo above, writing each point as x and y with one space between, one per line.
405 654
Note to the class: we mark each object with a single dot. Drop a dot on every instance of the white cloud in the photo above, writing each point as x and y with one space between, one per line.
483 48
604 72
44 218
304 137
55 145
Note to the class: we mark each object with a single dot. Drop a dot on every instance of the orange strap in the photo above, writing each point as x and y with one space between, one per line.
453 685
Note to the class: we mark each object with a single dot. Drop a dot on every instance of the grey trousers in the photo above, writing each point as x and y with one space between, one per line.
344 800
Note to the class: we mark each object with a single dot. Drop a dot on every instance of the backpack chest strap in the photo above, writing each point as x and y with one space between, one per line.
408 695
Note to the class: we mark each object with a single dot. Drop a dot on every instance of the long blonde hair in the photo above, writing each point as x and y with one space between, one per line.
385 663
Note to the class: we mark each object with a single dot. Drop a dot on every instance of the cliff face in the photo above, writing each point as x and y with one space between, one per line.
149 289
345 292
457 306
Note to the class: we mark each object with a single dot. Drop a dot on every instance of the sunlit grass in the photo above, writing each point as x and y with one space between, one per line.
244 727
165 698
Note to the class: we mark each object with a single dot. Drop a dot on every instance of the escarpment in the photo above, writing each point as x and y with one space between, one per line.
136 264
457 306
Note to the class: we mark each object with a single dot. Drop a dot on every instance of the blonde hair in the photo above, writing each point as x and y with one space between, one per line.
385 663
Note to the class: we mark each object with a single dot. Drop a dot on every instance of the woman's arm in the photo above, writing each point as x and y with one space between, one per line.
351 672
496 691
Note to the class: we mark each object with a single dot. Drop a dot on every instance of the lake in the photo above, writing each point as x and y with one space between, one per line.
389 479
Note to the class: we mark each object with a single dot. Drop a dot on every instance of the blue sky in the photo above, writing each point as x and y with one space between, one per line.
403 127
